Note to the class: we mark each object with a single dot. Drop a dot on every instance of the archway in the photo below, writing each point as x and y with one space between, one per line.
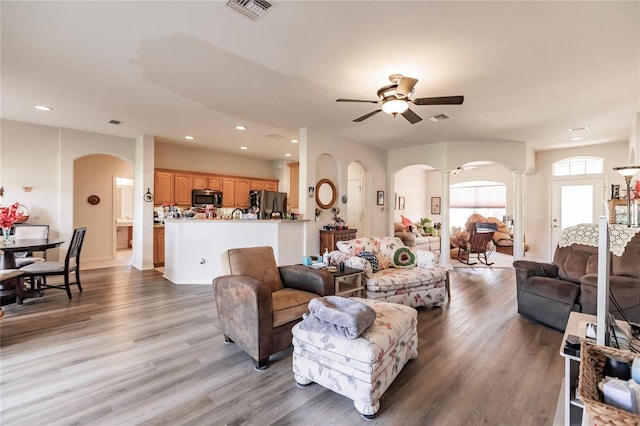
95 192
355 198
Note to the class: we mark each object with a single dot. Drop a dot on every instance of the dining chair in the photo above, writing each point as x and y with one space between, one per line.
24 231
38 271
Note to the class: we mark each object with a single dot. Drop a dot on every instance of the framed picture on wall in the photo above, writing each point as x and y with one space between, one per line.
435 205
400 203
380 198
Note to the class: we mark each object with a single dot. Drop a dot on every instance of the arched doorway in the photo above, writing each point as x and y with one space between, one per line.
95 176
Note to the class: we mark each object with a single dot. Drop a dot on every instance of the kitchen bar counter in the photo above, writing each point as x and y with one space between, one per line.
193 247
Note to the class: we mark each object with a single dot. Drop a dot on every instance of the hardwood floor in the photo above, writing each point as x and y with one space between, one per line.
136 349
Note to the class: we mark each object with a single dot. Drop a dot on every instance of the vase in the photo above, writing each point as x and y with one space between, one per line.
5 233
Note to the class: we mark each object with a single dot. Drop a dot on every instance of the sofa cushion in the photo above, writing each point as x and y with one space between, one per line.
387 246
372 258
403 257
353 247
397 279
289 304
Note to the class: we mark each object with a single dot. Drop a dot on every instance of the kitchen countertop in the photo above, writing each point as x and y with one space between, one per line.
262 221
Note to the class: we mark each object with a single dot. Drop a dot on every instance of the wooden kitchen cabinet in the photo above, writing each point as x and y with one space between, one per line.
200 182
228 192
328 239
267 185
241 193
235 192
183 187
256 185
215 183
158 246
163 184
175 186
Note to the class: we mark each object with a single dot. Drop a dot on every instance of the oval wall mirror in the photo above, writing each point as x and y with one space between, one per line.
326 194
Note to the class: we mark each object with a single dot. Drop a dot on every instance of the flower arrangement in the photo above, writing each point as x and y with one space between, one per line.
9 216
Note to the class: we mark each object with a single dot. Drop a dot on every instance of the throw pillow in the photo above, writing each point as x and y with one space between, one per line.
406 222
371 257
403 257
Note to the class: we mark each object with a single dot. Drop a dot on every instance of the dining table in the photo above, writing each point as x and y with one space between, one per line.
12 246
13 289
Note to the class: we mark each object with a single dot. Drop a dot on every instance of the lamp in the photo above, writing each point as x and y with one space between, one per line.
628 172
395 106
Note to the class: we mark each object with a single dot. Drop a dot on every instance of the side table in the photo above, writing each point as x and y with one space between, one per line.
348 282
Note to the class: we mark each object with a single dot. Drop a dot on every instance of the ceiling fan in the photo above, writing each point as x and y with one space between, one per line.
395 99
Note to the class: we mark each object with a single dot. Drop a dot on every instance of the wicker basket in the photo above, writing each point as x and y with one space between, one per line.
592 359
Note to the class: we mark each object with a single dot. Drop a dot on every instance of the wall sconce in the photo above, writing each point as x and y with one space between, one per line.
27 188
628 172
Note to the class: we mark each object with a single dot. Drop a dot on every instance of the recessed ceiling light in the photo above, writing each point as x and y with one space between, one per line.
241 127
189 138
287 155
577 139
294 140
43 108
575 129
243 147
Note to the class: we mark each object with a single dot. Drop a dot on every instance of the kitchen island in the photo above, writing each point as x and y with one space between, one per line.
193 247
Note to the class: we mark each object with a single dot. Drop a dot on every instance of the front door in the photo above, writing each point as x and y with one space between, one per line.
575 201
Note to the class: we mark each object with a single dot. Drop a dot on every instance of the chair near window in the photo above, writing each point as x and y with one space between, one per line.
480 243
24 231
40 270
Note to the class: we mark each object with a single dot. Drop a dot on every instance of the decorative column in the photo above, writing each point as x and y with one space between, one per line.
445 240
518 231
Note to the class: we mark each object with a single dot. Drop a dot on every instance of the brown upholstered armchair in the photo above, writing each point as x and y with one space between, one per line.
259 303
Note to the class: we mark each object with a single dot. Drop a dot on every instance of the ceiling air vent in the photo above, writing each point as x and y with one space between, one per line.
116 122
439 117
274 136
254 9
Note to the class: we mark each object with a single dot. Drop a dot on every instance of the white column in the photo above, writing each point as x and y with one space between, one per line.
518 232
445 239
143 211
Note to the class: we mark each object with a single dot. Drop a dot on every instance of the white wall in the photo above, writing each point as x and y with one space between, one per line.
313 144
538 189
51 153
30 158
411 183
168 156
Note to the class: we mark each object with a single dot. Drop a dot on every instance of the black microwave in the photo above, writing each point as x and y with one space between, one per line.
204 197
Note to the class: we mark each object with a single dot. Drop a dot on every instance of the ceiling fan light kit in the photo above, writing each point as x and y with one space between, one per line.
395 106
395 99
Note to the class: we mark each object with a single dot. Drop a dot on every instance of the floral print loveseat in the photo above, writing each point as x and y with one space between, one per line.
394 272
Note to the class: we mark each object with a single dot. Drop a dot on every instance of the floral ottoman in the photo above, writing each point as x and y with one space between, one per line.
363 368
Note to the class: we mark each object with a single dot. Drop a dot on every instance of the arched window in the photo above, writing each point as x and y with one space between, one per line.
578 166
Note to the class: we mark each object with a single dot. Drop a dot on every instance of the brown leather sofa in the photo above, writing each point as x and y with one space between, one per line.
548 292
259 303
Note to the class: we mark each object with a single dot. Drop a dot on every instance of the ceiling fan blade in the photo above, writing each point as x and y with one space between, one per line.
405 87
411 116
364 117
356 100
442 100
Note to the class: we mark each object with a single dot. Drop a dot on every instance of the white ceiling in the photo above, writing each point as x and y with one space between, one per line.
529 71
